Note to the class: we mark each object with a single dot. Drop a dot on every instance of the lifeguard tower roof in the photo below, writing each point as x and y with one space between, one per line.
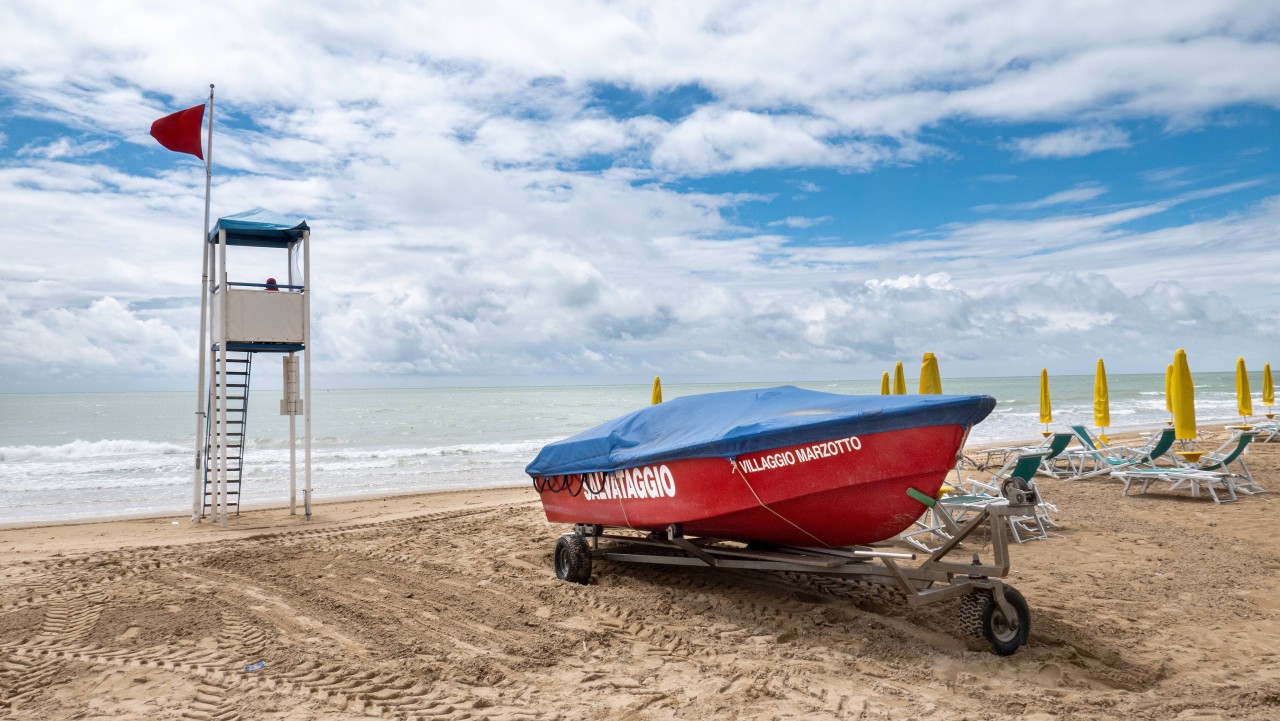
259 227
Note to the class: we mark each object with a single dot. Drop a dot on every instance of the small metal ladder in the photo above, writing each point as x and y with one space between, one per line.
233 392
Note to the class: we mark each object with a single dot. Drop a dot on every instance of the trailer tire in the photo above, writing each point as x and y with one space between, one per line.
573 559
982 620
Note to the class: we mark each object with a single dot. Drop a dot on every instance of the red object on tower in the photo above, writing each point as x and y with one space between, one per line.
180 132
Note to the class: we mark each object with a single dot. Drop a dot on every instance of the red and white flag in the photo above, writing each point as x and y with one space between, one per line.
180 132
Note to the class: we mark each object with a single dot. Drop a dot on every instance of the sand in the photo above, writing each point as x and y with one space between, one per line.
446 607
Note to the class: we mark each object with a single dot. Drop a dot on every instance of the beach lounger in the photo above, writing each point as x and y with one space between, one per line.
1268 431
956 505
1211 472
1095 458
1231 452
1088 457
1052 446
1178 479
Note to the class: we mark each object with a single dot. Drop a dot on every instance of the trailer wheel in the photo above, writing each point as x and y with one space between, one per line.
982 620
573 559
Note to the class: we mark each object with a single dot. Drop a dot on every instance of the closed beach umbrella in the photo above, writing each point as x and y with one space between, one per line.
930 380
1268 390
884 384
1244 401
1184 398
1168 391
1101 400
899 380
656 398
1046 408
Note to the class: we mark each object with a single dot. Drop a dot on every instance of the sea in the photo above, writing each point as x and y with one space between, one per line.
81 456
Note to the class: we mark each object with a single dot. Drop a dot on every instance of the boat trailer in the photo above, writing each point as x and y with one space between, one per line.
990 611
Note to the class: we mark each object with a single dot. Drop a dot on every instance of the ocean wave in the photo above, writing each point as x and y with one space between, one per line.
529 448
50 486
89 449
268 444
473 448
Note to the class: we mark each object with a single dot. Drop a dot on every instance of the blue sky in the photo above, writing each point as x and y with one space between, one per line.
592 192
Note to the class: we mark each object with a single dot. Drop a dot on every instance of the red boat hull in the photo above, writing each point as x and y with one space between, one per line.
840 492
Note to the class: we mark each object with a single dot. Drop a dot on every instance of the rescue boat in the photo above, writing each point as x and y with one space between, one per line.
780 465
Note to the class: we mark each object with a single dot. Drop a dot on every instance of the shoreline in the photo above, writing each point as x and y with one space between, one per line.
1120 434
256 508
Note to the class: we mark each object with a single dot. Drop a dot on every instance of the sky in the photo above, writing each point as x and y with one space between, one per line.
599 192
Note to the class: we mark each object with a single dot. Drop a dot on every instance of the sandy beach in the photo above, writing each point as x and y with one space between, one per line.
445 606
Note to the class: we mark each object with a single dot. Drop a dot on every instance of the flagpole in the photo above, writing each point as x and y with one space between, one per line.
197 507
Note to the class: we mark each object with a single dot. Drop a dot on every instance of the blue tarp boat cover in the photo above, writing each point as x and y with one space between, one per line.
736 422
259 226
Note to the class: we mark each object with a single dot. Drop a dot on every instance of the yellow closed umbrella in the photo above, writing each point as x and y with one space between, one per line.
1244 400
656 398
1184 398
1168 391
1046 408
1101 401
899 380
1268 391
884 384
930 380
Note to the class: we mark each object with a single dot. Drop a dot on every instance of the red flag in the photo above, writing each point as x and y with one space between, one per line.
180 132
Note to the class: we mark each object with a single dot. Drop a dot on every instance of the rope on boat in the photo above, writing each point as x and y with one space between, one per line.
559 484
765 506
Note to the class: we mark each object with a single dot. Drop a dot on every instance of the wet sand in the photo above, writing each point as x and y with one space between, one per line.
445 606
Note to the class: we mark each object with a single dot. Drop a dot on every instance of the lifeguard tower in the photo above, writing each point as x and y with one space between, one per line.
239 320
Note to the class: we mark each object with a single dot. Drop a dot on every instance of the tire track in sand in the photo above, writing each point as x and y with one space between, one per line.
22 677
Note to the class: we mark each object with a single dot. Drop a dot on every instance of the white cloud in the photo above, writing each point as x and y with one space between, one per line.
797 221
525 305
1071 196
63 148
102 336
716 140
933 281
1168 177
832 84
1078 194
1073 142
479 213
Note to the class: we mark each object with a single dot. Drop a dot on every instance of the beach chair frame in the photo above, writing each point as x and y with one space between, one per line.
1232 452
1178 479
1211 473
983 458
1268 431
1095 459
